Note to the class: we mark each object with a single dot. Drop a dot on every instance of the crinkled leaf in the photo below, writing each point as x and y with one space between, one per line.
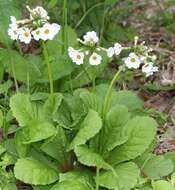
129 99
56 147
88 129
52 104
21 148
91 101
34 172
84 176
141 132
115 121
21 108
70 185
157 167
37 131
162 185
90 158
127 176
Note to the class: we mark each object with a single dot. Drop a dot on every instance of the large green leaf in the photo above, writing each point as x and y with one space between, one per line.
34 172
56 147
141 132
23 68
115 121
84 176
127 176
129 99
157 167
37 131
22 108
162 185
70 185
88 129
90 158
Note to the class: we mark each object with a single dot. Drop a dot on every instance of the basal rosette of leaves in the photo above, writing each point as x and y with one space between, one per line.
81 136
63 143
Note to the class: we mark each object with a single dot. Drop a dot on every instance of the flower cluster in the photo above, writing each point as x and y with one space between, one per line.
37 27
90 40
139 57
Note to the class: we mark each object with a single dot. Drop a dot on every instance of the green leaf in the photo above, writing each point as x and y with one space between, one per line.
88 129
91 101
129 99
141 132
115 122
90 158
127 173
21 108
5 86
37 131
157 167
34 172
162 185
52 104
21 148
70 185
84 176
56 147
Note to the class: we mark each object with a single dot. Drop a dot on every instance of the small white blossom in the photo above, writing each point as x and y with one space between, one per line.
25 35
91 38
117 48
38 12
13 32
49 31
76 56
13 23
132 61
95 59
36 34
110 52
149 69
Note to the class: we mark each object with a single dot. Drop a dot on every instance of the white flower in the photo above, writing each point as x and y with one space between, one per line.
49 31
117 48
110 52
149 69
36 34
13 32
91 38
76 56
25 35
132 61
95 59
38 12
13 23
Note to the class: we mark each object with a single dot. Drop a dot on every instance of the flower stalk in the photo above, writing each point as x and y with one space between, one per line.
109 92
49 69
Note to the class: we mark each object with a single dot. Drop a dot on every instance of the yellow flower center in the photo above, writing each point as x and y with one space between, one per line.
78 57
46 31
37 32
94 58
26 34
133 60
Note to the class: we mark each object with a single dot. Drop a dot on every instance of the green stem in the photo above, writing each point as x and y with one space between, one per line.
86 13
103 22
14 74
93 84
109 92
97 177
46 57
64 28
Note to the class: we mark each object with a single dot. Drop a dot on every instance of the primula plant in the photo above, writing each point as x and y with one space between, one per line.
63 126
